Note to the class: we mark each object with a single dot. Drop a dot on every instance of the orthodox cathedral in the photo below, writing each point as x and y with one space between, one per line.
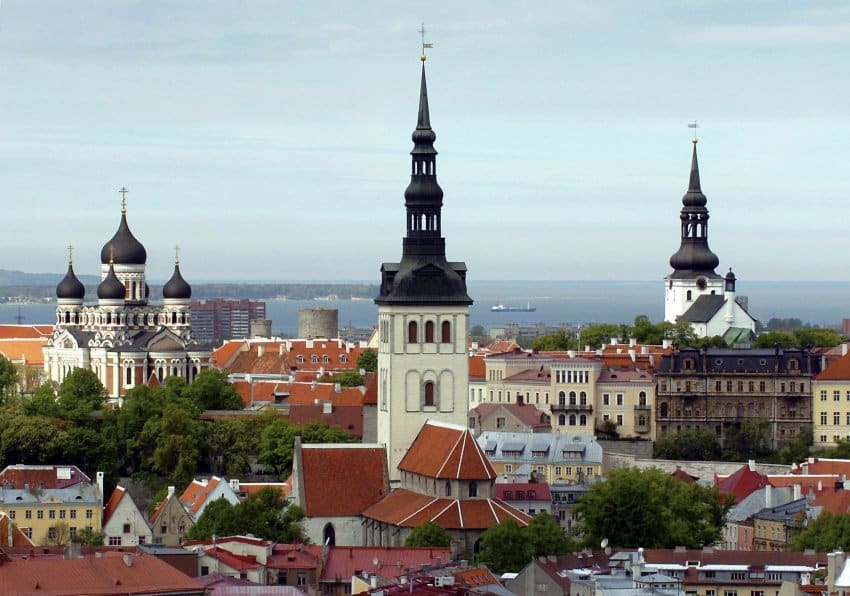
694 292
123 338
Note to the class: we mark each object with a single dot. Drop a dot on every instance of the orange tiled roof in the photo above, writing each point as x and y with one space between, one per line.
370 398
112 504
342 480
25 331
410 509
232 560
24 350
197 492
222 356
18 538
834 501
476 577
41 475
94 575
346 418
282 357
836 370
307 393
447 452
804 480
817 465
345 561
250 488
528 414
477 368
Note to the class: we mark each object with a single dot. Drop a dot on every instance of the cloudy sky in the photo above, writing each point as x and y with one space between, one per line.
271 139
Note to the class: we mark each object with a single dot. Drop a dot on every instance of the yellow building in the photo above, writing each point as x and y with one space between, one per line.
54 516
831 403
624 403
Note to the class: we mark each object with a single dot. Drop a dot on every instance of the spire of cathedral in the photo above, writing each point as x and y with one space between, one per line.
694 257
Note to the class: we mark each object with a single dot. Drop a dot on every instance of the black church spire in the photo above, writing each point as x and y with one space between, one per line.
423 276
694 257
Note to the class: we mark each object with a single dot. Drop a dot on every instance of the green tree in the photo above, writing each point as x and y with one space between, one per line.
505 548
783 339
749 439
428 534
650 508
554 342
817 337
88 537
693 444
43 402
826 533
8 379
32 439
368 360
598 335
80 394
346 378
212 391
547 537
176 438
681 334
265 514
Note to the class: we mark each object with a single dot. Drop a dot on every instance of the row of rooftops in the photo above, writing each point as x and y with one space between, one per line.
540 447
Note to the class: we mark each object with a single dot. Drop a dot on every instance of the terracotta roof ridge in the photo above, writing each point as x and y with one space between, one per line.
507 510
433 500
446 460
493 510
460 513
444 509
462 451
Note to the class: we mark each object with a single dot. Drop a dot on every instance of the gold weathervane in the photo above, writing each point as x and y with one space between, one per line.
123 192
425 46
695 126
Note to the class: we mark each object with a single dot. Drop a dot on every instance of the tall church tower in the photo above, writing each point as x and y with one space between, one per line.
423 313
693 264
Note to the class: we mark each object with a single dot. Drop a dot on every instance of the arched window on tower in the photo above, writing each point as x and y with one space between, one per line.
688 296
446 332
429 393
642 398
448 488
429 332
329 535
412 332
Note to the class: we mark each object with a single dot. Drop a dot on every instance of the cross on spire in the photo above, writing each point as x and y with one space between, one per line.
176 254
424 45
695 126
123 192
70 254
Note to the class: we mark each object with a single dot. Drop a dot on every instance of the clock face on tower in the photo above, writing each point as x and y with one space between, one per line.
701 281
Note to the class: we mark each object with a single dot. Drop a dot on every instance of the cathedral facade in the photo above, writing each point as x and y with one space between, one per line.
123 338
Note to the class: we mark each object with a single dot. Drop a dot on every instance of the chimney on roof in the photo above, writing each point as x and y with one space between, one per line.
644 350
313 385
632 355
280 350
751 464
170 492
844 349
327 407
587 348
665 343
632 342
571 353
768 495
337 388
796 492
261 351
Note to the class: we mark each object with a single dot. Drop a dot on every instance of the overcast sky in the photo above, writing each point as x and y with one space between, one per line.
271 139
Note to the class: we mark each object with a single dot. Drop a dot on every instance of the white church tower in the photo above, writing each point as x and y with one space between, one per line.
423 314
694 263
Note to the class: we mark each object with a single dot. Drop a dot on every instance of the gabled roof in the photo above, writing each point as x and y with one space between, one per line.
295 556
11 536
196 494
476 577
446 451
113 502
836 370
680 474
703 309
28 351
110 574
821 465
232 560
477 368
47 476
223 356
741 483
528 414
342 479
26 331
164 505
345 561
410 509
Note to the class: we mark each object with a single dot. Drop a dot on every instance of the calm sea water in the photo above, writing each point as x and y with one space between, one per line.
819 303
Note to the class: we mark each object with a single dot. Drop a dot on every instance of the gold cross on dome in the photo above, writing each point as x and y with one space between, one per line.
123 192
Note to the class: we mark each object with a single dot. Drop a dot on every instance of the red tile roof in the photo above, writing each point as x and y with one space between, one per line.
223 356
680 474
477 368
49 476
816 465
836 370
342 480
411 509
112 504
18 538
345 561
476 577
446 451
232 560
346 418
540 490
195 495
741 483
528 414
107 575
282 357
250 488
26 351
370 398
834 501
26 331
295 556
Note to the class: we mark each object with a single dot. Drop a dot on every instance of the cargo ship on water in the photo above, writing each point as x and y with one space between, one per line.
503 308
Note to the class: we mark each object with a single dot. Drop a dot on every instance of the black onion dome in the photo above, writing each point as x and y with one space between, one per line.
111 287
123 248
177 287
70 287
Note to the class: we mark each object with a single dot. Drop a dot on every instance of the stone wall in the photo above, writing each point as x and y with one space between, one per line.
704 470
642 449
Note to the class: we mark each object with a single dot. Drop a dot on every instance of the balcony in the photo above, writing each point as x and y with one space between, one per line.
579 408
